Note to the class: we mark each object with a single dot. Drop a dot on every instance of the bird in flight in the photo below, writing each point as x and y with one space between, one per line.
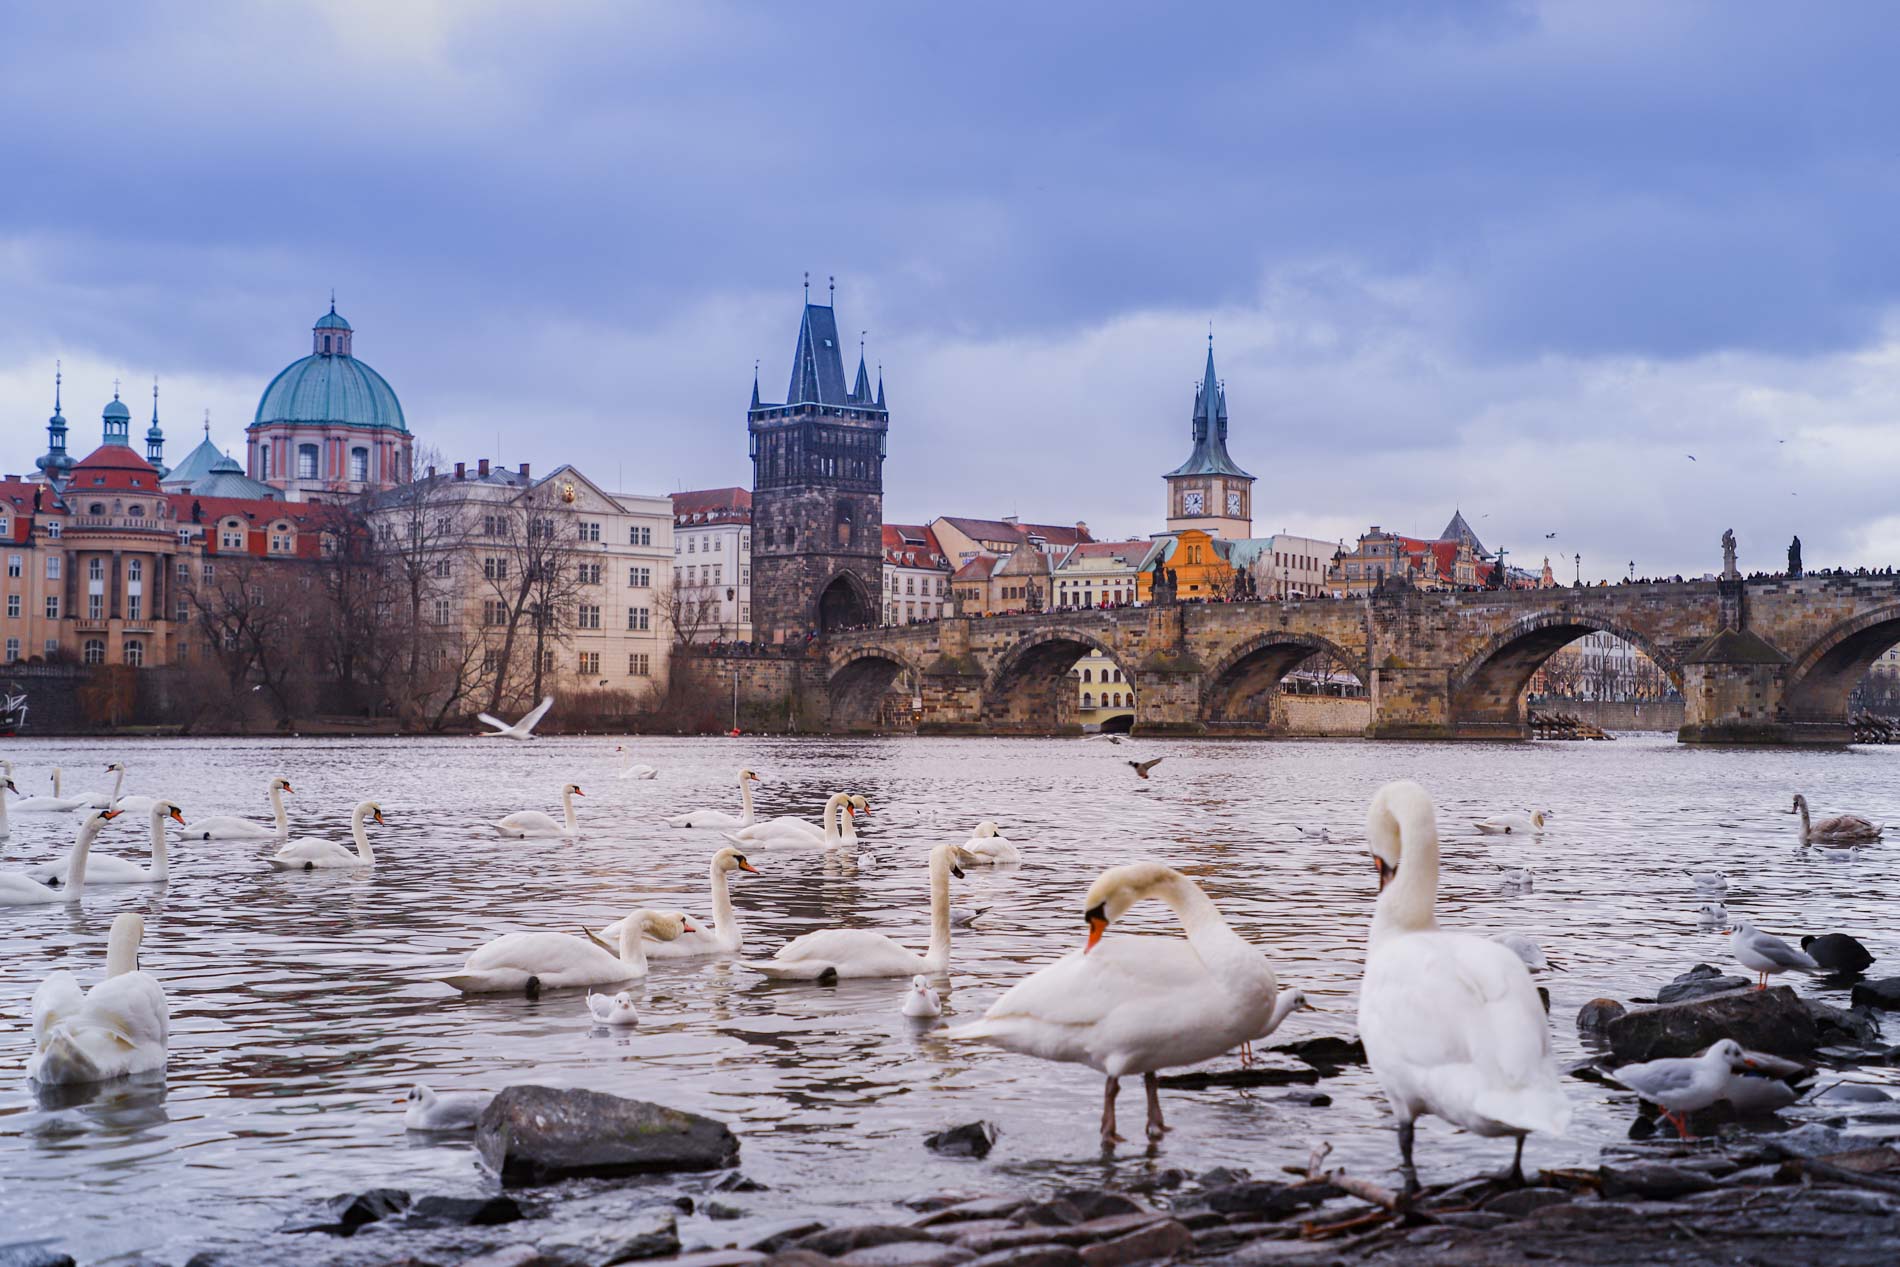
523 729
1690 456
1141 768
1549 535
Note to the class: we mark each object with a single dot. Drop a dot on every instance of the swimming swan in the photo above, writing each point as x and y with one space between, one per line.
718 817
54 804
309 854
1844 829
1451 1022
836 953
532 822
1138 1004
105 869
790 830
126 804
533 962
988 847
722 936
17 889
118 1027
637 770
230 827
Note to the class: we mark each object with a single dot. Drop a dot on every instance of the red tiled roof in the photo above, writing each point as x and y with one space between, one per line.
1135 550
308 519
1002 530
913 546
16 502
977 569
113 467
717 505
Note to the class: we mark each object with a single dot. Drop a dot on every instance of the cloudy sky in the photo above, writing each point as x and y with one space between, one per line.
1522 259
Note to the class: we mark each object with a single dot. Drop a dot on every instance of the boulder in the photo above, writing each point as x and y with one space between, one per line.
33 1256
1883 994
1771 1020
1519 1202
1700 982
972 1139
1597 1013
835 1242
1264 1199
738 1182
464 1211
1100 1203
531 1135
772 1238
1809 1140
979 1208
909 1254
352 1211
1856 1027
1165 1239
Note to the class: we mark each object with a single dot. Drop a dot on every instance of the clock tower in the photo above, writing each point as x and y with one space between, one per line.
1208 491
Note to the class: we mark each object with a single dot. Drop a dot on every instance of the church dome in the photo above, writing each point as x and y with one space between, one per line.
117 412
331 321
331 386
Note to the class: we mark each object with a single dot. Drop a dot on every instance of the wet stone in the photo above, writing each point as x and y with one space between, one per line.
775 1236
1100 1203
719 1211
738 1182
1057 1213
1158 1240
1858 1026
1699 982
1030 1256
1856 1093
1883 993
719 1258
980 1208
1262 1199
33 1256
1594 1015
798 1258
909 1254
465 1211
1325 1050
836 1242
1221 1176
1810 1140
958 1232
1480 1219
1771 1020
1652 1179
532 1135
353 1211
1519 1202
972 1139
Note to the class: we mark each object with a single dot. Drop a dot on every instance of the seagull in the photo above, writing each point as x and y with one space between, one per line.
1682 1084
1515 879
1549 535
1765 953
1710 881
523 729
1712 913
449 1111
1527 949
1690 456
1102 735
1141 768
921 1003
616 1011
1318 833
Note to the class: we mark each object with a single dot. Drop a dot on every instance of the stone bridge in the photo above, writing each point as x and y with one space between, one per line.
1758 661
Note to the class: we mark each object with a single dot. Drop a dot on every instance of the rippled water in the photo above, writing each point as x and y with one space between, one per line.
302 1004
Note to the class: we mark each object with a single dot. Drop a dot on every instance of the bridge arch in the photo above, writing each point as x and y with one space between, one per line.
1030 690
861 681
1487 690
1826 673
1238 693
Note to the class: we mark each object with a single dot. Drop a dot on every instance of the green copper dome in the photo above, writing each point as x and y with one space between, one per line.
336 389
117 412
330 321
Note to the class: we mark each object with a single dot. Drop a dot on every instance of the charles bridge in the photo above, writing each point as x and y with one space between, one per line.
1766 660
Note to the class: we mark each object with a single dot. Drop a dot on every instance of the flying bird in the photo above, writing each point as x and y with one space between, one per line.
1141 768
1549 535
523 729
1690 456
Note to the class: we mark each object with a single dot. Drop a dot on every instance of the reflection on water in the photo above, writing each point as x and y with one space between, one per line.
303 1004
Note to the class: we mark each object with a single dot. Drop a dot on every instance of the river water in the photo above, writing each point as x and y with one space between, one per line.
303 1006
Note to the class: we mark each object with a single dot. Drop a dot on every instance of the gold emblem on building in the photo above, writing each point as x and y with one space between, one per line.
567 492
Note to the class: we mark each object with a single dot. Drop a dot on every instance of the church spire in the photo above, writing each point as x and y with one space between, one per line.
755 384
154 437
1210 427
56 462
880 386
861 390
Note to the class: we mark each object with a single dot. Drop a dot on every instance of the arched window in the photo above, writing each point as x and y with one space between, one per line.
846 522
94 651
134 652
326 345
1086 677
96 508
1088 700
359 465
306 461
135 510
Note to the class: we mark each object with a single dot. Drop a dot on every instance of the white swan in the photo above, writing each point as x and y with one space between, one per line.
125 804
791 831
722 936
17 889
920 1001
836 953
230 827
105 869
532 822
309 853
118 1027
617 1011
988 847
6 785
637 770
718 817
533 962
446 1111
54 804
1512 823
1843 829
1133 1004
523 729
1451 1022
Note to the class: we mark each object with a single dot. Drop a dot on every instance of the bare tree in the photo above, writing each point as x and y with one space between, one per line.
421 538
691 612
256 618
529 566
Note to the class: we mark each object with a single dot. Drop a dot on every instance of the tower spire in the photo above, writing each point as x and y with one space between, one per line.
59 377
755 384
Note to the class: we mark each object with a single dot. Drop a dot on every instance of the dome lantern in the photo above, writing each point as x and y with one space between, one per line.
117 420
331 335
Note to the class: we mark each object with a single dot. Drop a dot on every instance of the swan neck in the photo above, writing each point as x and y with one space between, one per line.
567 808
277 808
1217 945
363 849
1282 1008
937 955
633 952
1802 805
118 782
160 857
745 801
832 808
56 791
76 865
122 950
1407 904
723 926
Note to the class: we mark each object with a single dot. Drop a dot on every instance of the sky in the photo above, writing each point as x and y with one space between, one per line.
1625 273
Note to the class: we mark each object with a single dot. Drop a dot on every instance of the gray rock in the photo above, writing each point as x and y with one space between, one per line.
720 1212
353 1211
509 1256
1597 1013
797 1258
1883 994
1100 1203
1810 1140
1264 1199
1056 1213
1165 1239
531 1135
33 1256
1657 1180
1221 1176
774 1237
1030 1256
1519 1202
1772 1020
719 1258
1755 1097
909 1254
1700 982
464 1211
980 1208
1326 1051
836 1242
1859 1027
1480 1219
738 1182
972 1139
1855 1093
961 1233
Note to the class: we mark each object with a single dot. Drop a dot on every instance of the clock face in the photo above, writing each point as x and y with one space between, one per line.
1192 503
1233 503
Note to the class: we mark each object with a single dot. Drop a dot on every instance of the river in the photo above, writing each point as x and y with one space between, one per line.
303 1006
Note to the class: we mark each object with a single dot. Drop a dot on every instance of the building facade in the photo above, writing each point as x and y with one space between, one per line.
916 575
817 492
962 539
1104 699
712 566
1285 566
329 427
1209 491
1455 559
1101 573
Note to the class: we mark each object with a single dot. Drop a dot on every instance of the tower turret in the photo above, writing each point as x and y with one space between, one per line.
155 438
1209 490
118 421
56 463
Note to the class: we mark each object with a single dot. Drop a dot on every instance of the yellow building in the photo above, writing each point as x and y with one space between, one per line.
1197 562
1103 695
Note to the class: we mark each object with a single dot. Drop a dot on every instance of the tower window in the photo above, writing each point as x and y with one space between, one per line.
359 465
326 345
306 461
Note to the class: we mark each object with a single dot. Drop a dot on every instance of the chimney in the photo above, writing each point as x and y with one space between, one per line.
432 472
481 468
461 470
524 470
1081 530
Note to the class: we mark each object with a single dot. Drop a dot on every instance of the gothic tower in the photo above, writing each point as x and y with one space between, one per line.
817 491
1209 491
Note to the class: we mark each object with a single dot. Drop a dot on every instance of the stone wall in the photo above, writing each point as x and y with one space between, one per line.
1324 715
1618 714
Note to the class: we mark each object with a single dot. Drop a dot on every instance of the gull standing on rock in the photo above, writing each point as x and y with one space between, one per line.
1683 1084
1765 953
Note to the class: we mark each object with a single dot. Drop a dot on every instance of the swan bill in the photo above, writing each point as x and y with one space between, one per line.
1098 924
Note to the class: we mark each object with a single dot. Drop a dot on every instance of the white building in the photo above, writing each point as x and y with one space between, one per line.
916 575
712 565
1100 573
1286 565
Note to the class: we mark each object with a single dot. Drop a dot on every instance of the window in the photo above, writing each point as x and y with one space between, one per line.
135 607
547 662
692 545
494 612
13 650
95 606
94 652
359 465
183 612
13 606
638 664
306 461
231 535
1088 700
14 564
134 652
590 663
135 570
95 569
745 576
53 529
639 617
638 536
494 569
490 661
717 570
491 525
745 543
639 578
1086 675
211 570
589 574
281 542
52 607
587 616
135 511
745 611
441 611
184 572
442 569
589 530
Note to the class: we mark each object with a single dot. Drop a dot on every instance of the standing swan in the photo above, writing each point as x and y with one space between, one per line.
118 1027
719 817
533 962
720 937
20 890
836 953
1844 829
1451 1022
105 869
54 804
1138 1004
532 822
230 827
308 854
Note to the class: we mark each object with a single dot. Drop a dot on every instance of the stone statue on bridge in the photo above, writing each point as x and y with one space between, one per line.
1794 558
1729 572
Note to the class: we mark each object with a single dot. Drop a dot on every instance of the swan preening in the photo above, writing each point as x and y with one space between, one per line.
532 822
1513 823
105 869
988 847
617 1011
1128 1005
1682 1084
444 1111
1843 829
720 818
722 936
838 828
17 889
118 1027
533 962
836 953
1451 1022
309 853
523 729
230 827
